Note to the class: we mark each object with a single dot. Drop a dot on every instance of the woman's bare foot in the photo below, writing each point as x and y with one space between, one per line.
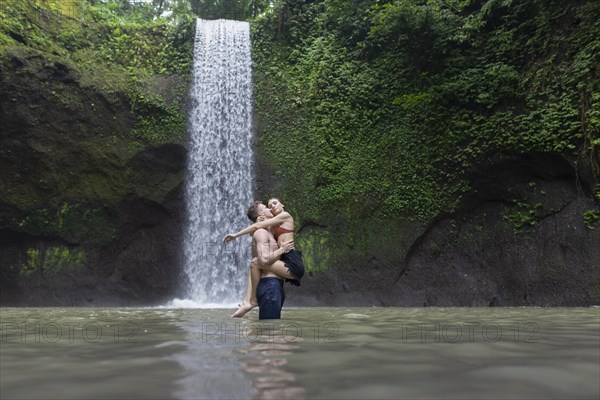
244 308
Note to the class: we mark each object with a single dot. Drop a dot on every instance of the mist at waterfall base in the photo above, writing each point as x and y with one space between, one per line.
220 166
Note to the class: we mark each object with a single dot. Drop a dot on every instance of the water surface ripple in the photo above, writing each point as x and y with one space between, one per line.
312 353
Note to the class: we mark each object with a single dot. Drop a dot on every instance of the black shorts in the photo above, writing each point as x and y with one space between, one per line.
293 262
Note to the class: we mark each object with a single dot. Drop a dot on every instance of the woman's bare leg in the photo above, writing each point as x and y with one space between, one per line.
248 293
250 296
278 268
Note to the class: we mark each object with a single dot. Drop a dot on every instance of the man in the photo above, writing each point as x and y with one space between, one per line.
269 294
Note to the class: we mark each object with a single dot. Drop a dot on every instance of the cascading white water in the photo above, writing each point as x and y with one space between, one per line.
220 163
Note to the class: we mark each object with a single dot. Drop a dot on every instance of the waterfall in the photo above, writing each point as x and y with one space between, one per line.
220 164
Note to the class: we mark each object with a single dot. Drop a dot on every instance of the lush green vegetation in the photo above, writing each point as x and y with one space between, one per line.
384 108
591 218
76 223
52 259
117 46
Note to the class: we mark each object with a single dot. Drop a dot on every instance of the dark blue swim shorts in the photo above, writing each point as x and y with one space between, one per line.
270 296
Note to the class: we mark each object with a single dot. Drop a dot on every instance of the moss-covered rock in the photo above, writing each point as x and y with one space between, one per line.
86 142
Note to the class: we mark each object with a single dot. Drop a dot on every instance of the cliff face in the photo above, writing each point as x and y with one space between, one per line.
89 215
517 239
92 153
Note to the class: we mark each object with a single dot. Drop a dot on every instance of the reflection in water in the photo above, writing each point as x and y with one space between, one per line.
212 369
265 362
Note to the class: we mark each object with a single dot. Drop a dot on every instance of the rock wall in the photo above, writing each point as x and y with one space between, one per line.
518 238
89 214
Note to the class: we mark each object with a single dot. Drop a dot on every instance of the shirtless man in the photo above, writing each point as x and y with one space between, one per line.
265 252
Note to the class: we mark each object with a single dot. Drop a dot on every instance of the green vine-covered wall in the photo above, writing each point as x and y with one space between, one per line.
391 105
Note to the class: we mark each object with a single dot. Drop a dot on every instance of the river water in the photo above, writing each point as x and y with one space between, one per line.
312 353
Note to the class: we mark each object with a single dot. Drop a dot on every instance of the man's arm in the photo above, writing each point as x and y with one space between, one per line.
277 220
265 255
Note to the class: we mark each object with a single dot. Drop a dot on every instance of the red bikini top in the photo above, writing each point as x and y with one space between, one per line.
278 231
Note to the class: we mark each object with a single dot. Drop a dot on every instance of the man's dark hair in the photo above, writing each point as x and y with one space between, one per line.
253 210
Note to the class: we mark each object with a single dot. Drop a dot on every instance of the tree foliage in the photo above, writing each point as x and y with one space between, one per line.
393 104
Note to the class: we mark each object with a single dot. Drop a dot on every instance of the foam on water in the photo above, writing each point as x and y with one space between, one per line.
188 303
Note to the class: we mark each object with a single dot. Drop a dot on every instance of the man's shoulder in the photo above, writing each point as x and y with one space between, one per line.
261 235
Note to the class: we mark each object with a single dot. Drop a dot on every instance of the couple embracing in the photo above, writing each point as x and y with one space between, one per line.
274 259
